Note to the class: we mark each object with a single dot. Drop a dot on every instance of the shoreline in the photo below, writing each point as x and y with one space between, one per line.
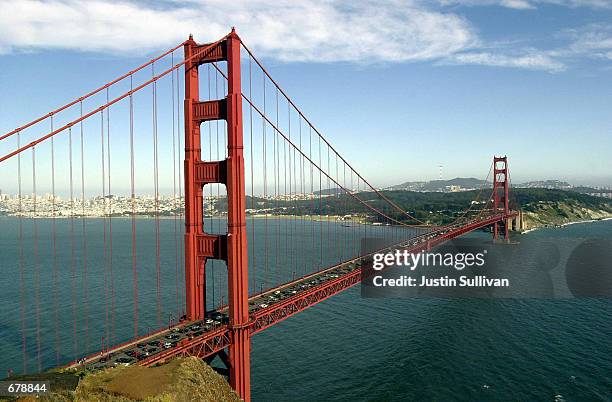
567 224
315 218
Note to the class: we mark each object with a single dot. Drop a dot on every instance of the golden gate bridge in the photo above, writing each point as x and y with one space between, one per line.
242 132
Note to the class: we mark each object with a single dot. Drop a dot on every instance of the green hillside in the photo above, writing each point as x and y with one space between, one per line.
438 208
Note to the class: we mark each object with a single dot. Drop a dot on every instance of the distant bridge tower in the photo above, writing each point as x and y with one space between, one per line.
200 246
500 192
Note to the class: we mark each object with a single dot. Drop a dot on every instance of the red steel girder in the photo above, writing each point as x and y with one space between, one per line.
210 172
278 312
209 110
207 54
203 346
211 246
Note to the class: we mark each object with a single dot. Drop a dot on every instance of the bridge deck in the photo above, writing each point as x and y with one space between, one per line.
211 335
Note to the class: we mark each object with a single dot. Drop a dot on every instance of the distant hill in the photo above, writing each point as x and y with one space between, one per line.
563 185
547 206
471 183
456 184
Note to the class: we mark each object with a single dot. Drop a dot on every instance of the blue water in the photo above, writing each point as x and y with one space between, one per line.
354 349
346 348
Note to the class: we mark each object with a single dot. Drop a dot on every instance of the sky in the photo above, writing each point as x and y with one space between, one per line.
398 87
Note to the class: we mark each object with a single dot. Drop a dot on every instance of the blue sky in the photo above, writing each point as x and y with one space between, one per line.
399 87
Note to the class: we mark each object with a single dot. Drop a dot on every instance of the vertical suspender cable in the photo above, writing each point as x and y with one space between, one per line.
72 250
265 188
212 198
174 202
54 243
287 228
156 190
180 178
327 215
356 244
84 234
320 209
252 257
110 226
36 265
276 194
347 239
365 218
336 228
295 211
104 236
21 261
354 239
274 203
224 134
133 199
292 180
312 196
302 227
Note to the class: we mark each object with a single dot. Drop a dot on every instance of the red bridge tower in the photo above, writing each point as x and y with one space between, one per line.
500 192
200 246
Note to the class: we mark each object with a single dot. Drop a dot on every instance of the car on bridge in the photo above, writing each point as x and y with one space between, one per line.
125 361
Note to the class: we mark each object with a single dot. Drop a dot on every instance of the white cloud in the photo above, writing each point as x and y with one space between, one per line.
517 4
97 25
532 60
367 31
579 3
593 41
529 4
593 38
303 30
